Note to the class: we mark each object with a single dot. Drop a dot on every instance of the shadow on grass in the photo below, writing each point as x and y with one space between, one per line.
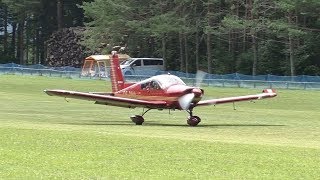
216 125
156 123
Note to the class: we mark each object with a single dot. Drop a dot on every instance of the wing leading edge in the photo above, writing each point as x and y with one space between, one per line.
267 93
107 99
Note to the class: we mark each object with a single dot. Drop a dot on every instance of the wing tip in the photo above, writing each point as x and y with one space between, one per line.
270 92
48 92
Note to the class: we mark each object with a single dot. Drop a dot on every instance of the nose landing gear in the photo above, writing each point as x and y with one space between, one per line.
193 120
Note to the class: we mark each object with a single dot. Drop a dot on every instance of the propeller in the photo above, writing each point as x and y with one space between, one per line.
185 100
199 77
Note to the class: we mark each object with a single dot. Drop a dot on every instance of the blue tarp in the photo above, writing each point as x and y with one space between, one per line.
234 76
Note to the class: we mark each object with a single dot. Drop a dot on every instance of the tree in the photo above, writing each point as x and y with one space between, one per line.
21 9
223 36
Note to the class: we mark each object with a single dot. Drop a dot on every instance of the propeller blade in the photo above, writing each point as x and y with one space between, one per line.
185 101
199 77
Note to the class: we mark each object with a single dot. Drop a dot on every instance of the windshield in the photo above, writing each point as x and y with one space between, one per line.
168 80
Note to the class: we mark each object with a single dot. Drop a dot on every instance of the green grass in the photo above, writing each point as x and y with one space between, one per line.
47 137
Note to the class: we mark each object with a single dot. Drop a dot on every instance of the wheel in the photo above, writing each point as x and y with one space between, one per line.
137 119
193 120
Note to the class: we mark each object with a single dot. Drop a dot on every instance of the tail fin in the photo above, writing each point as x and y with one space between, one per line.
116 75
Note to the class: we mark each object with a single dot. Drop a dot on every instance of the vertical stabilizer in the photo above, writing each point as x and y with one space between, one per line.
116 76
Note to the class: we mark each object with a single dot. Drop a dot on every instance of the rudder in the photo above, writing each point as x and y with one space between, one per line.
116 76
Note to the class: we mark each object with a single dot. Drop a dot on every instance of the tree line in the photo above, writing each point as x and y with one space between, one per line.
26 25
280 37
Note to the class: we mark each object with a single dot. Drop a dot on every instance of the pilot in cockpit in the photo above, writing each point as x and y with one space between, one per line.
150 85
154 85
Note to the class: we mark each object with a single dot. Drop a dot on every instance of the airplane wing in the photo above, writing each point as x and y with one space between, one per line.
267 93
107 99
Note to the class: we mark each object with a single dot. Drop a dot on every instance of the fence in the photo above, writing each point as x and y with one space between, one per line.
227 80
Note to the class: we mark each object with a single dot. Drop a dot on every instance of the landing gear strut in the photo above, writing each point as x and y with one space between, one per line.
192 120
138 119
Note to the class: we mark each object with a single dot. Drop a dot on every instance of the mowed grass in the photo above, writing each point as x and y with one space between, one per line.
47 137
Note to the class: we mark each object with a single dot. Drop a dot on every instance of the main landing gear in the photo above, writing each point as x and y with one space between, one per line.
138 119
192 120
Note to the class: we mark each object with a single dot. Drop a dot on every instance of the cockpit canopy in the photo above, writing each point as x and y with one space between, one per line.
161 82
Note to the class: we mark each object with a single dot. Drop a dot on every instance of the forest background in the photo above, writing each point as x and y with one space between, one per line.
279 37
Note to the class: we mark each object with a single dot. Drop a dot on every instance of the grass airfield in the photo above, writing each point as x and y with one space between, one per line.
47 137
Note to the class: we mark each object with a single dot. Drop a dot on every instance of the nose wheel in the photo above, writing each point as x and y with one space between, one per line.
193 120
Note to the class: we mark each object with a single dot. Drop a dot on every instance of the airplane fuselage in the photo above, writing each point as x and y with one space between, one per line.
155 89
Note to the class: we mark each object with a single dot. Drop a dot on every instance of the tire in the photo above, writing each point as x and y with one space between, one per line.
138 120
193 121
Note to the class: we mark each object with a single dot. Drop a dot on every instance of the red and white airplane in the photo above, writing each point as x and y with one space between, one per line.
158 92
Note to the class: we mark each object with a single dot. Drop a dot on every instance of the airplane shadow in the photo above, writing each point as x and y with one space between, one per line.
156 123
215 125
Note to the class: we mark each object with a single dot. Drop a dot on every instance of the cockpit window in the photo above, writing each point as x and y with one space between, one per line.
161 82
150 85
169 80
